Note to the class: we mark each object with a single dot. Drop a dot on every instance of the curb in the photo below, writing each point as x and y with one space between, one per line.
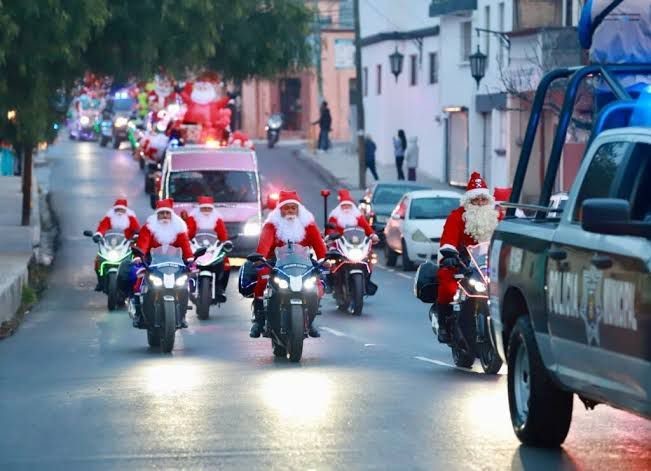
325 174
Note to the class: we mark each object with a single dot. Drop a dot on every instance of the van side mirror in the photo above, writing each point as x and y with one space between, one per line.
200 252
272 201
611 216
88 233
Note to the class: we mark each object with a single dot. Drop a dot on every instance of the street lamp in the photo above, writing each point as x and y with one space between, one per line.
478 65
395 60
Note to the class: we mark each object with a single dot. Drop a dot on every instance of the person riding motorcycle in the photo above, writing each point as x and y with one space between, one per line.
291 222
118 218
163 227
206 217
346 215
471 223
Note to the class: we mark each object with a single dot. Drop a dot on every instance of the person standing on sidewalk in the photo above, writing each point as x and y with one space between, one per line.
411 157
325 124
369 154
399 147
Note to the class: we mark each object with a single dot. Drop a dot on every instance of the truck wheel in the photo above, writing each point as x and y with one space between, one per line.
392 257
540 411
407 264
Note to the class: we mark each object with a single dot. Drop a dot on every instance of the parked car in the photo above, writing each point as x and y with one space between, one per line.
416 224
380 199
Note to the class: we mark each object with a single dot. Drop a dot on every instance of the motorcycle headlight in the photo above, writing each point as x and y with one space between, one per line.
355 254
418 236
121 122
156 281
113 256
180 281
252 228
282 284
84 120
478 286
310 283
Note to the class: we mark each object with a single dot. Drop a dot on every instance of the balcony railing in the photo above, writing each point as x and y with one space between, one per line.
445 7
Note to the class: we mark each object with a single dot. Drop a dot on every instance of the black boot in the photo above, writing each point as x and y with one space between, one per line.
313 332
98 286
137 317
220 297
444 313
258 319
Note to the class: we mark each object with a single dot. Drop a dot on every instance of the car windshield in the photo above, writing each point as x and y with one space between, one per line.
432 208
124 104
226 186
166 254
390 194
206 238
354 235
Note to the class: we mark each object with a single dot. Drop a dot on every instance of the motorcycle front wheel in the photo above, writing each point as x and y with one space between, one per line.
490 360
297 334
113 296
168 330
204 299
356 294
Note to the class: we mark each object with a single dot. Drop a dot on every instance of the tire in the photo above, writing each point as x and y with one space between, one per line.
489 359
392 257
113 294
153 338
407 265
103 141
296 335
270 143
541 412
204 298
141 162
462 359
168 330
356 294
115 143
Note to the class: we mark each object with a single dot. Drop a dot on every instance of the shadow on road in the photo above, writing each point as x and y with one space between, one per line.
528 458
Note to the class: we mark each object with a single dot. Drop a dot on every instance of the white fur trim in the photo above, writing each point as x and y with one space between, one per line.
280 205
163 234
469 195
203 222
448 246
346 219
304 216
111 211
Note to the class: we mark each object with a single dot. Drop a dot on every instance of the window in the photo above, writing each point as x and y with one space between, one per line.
413 70
433 68
365 80
432 208
226 186
487 36
634 184
378 90
599 179
466 40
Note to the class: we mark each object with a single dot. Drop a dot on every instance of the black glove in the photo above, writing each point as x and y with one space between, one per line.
449 262
97 238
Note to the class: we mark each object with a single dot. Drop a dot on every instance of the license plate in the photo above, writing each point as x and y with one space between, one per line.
168 298
295 301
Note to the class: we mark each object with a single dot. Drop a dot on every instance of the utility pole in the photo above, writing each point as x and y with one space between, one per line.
359 98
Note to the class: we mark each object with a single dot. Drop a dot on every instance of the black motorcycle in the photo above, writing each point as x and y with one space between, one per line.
291 299
164 295
273 127
211 279
469 324
351 269
113 249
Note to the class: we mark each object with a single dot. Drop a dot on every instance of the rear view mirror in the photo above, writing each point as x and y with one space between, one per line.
228 246
611 216
200 251
255 257
88 233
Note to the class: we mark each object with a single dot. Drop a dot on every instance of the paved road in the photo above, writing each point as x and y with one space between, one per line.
79 389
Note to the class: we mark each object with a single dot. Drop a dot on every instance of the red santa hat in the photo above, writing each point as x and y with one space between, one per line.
121 203
206 202
164 205
345 197
476 187
288 197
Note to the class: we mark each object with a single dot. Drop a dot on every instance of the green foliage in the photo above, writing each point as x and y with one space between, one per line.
28 296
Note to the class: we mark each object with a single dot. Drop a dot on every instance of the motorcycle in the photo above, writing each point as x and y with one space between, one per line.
114 248
351 271
212 274
106 130
274 124
469 324
163 295
291 299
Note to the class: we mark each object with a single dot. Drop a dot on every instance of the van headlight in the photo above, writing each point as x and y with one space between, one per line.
156 281
121 121
477 285
418 236
84 120
252 228
282 284
180 281
310 283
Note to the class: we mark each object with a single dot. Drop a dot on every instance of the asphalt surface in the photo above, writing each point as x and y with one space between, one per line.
80 389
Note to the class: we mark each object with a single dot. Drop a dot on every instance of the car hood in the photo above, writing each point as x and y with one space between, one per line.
432 228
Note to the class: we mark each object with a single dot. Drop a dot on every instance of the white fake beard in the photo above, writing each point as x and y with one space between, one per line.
119 222
290 230
346 218
165 233
206 221
203 93
480 221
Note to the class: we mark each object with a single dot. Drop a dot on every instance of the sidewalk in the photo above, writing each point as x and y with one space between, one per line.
339 168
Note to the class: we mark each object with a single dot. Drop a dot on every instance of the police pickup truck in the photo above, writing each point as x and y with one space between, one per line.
570 290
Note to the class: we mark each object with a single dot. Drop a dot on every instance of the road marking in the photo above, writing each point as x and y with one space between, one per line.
437 362
404 276
370 344
392 270
334 332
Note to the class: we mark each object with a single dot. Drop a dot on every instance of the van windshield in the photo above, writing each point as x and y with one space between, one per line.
226 186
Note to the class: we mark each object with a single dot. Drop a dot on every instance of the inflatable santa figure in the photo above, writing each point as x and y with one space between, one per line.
205 106
164 228
346 214
119 218
205 217
240 139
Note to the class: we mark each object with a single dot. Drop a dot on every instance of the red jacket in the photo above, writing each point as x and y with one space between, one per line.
147 241
361 222
220 228
105 225
269 241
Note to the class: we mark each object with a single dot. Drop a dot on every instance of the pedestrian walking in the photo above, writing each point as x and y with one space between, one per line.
325 126
399 148
411 158
369 154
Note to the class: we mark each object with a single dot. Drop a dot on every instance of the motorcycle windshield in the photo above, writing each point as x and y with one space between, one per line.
166 254
114 238
206 238
293 260
479 257
354 235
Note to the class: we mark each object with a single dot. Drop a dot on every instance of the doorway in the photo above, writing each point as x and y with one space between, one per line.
290 103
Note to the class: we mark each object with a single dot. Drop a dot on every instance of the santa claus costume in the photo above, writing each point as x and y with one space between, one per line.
113 221
277 232
199 221
343 218
467 225
156 233
204 106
